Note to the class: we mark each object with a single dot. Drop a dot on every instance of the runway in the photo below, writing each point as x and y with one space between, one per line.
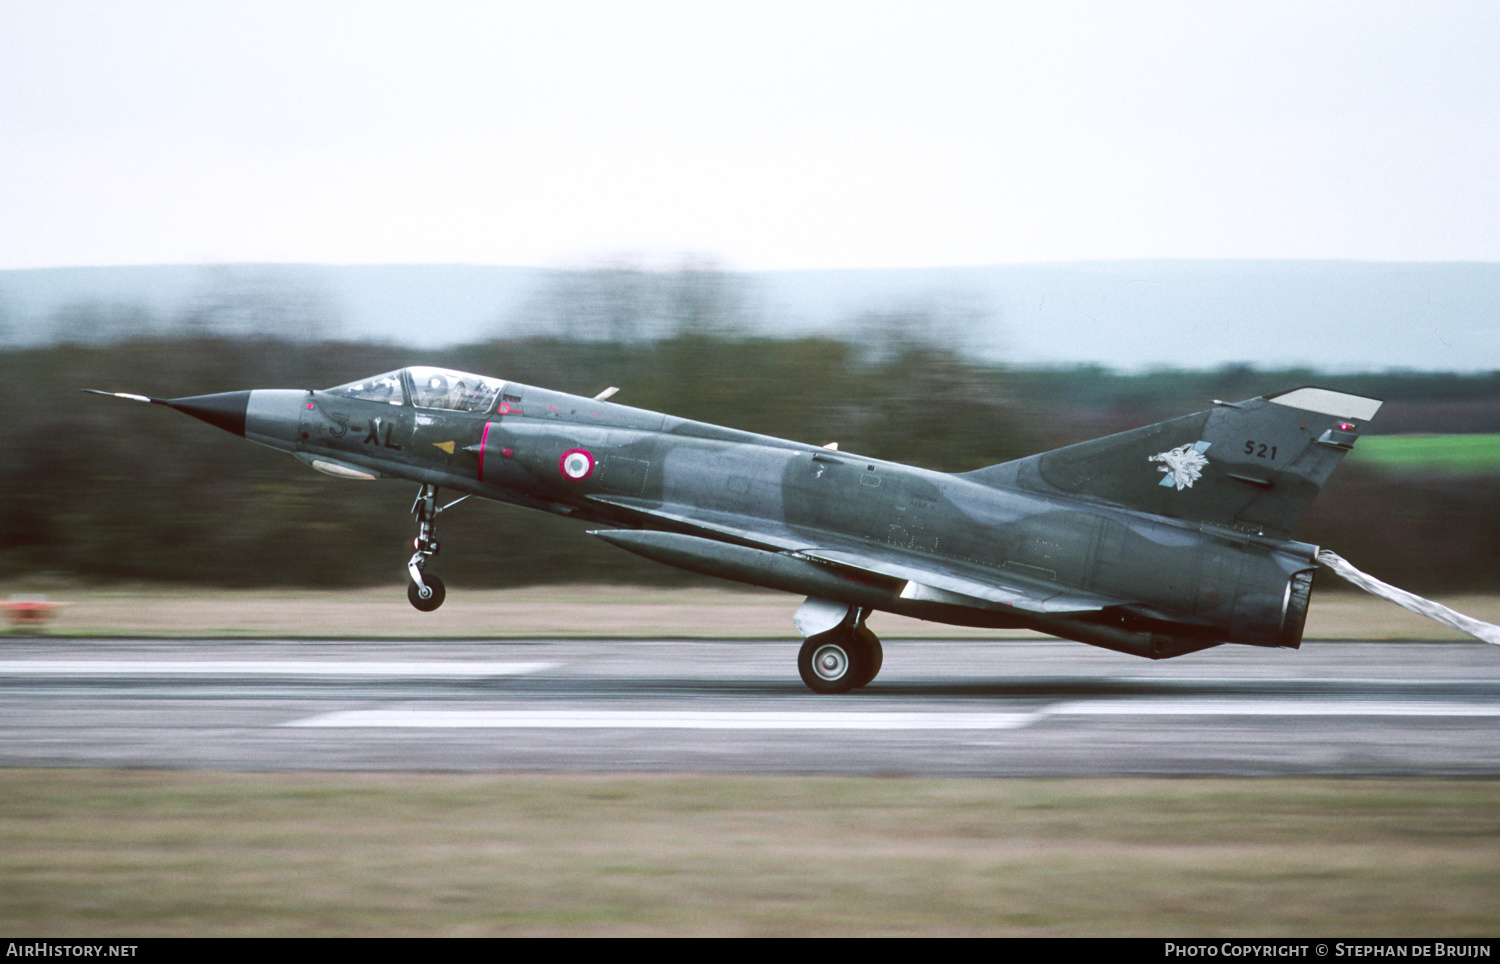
939 708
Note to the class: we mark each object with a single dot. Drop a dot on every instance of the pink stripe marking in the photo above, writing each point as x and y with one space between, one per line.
482 440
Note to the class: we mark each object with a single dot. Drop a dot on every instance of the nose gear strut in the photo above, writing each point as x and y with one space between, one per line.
426 591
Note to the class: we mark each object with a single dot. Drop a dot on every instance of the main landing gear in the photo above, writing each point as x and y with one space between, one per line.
843 658
426 591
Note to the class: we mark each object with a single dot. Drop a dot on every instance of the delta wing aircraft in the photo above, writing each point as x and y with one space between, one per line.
1157 542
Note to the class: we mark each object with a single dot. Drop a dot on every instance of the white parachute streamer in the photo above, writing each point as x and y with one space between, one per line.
1477 628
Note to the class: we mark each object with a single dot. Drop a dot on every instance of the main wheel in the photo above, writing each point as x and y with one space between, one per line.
826 662
834 662
874 655
429 600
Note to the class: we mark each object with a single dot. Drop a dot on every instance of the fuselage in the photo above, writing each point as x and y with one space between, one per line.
832 524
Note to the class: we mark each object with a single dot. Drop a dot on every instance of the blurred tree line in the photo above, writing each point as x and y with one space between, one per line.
229 301
107 490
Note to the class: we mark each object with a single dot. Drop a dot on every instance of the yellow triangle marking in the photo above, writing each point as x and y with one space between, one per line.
445 446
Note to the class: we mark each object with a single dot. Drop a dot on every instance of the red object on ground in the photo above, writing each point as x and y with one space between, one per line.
29 612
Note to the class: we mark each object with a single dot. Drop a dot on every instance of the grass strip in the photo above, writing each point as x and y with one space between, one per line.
139 853
1448 454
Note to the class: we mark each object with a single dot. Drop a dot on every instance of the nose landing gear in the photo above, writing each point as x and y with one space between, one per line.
426 591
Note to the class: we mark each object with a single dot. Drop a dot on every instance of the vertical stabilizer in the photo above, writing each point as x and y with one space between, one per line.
1254 465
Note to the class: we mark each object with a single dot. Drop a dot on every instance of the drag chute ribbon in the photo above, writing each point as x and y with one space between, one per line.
1478 628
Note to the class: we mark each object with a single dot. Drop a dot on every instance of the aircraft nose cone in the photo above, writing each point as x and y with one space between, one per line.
267 416
224 409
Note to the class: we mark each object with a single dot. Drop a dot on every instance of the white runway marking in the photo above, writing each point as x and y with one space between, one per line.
1382 681
582 719
123 667
669 720
1189 707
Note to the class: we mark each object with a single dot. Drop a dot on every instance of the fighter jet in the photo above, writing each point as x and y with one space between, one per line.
1157 542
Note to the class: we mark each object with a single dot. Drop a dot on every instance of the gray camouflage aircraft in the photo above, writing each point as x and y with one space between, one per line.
1156 542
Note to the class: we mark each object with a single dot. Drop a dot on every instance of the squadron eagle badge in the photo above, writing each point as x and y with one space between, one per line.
1183 465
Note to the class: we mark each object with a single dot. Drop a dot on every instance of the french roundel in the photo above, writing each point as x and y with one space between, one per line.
576 464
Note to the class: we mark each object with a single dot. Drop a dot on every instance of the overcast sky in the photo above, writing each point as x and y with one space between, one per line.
757 135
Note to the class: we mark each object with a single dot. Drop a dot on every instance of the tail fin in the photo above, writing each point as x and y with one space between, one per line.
1254 465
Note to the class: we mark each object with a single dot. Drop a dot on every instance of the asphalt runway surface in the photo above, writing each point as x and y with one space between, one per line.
939 708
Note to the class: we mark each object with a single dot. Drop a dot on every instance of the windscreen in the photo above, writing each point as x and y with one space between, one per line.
382 388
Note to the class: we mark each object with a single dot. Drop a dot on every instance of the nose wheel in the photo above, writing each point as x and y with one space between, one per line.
426 591
427 596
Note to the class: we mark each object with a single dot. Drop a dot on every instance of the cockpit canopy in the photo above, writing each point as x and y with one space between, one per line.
424 387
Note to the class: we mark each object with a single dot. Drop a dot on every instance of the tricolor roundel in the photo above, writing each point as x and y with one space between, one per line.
576 464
